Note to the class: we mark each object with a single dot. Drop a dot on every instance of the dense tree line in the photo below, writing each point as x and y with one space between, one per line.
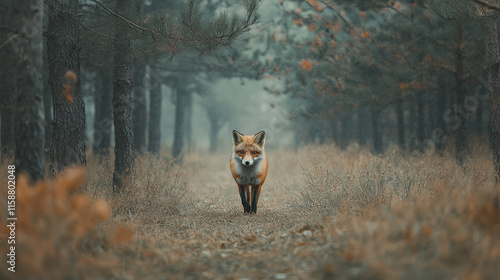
121 43
422 75
378 72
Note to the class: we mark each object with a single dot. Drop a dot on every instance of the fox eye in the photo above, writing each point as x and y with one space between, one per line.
254 152
241 152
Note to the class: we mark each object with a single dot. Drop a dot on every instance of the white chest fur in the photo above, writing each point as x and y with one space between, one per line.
247 174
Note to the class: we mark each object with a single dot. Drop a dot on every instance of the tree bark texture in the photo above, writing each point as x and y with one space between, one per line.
490 28
103 122
139 109
47 102
461 132
155 99
63 48
122 100
7 97
29 116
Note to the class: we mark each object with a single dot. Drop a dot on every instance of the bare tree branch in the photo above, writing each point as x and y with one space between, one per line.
487 5
130 23
8 40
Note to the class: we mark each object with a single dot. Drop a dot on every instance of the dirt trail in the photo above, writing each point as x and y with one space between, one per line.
219 241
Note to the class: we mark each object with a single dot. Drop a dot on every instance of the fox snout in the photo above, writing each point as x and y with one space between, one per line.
247 162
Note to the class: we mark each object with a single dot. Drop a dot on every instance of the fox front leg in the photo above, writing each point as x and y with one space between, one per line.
255 198
244 198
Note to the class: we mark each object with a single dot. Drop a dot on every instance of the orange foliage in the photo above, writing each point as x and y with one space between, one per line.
315 4
398 6
365 35
428 15
403 86
427 58
362 14
318 41
58 229
312 27
306 64
333 43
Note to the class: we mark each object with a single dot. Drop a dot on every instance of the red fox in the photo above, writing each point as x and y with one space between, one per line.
249 167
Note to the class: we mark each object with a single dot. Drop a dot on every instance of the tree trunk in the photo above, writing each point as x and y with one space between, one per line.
179 127
490 28
103 122
440 136
334 126
400 123
47 102
377 136
215 126
461 132
63 47
361 126
7 97
139 111
479 118
122 100
345 133
412 118
155 99
29 115
188 114
420 122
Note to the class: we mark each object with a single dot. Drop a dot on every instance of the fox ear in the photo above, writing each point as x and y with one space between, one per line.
237 137
258 138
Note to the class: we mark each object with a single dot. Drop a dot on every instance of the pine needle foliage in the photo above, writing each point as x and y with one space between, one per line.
161 34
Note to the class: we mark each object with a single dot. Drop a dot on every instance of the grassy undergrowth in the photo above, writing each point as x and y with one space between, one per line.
323 214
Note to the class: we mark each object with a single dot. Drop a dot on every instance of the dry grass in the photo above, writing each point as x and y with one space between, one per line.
323 214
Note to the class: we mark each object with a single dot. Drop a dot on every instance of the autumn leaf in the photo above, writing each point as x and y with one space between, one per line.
365 35
306 64
428 15
69 78
298 22
403 86
362 14
427 58
315 4
312 27
398 6
318 41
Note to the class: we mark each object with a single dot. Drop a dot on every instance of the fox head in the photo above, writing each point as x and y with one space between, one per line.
248 148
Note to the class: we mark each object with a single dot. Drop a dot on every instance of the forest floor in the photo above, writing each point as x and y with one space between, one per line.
323 214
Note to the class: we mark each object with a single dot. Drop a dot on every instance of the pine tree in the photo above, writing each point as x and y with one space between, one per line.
63 47
29 115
